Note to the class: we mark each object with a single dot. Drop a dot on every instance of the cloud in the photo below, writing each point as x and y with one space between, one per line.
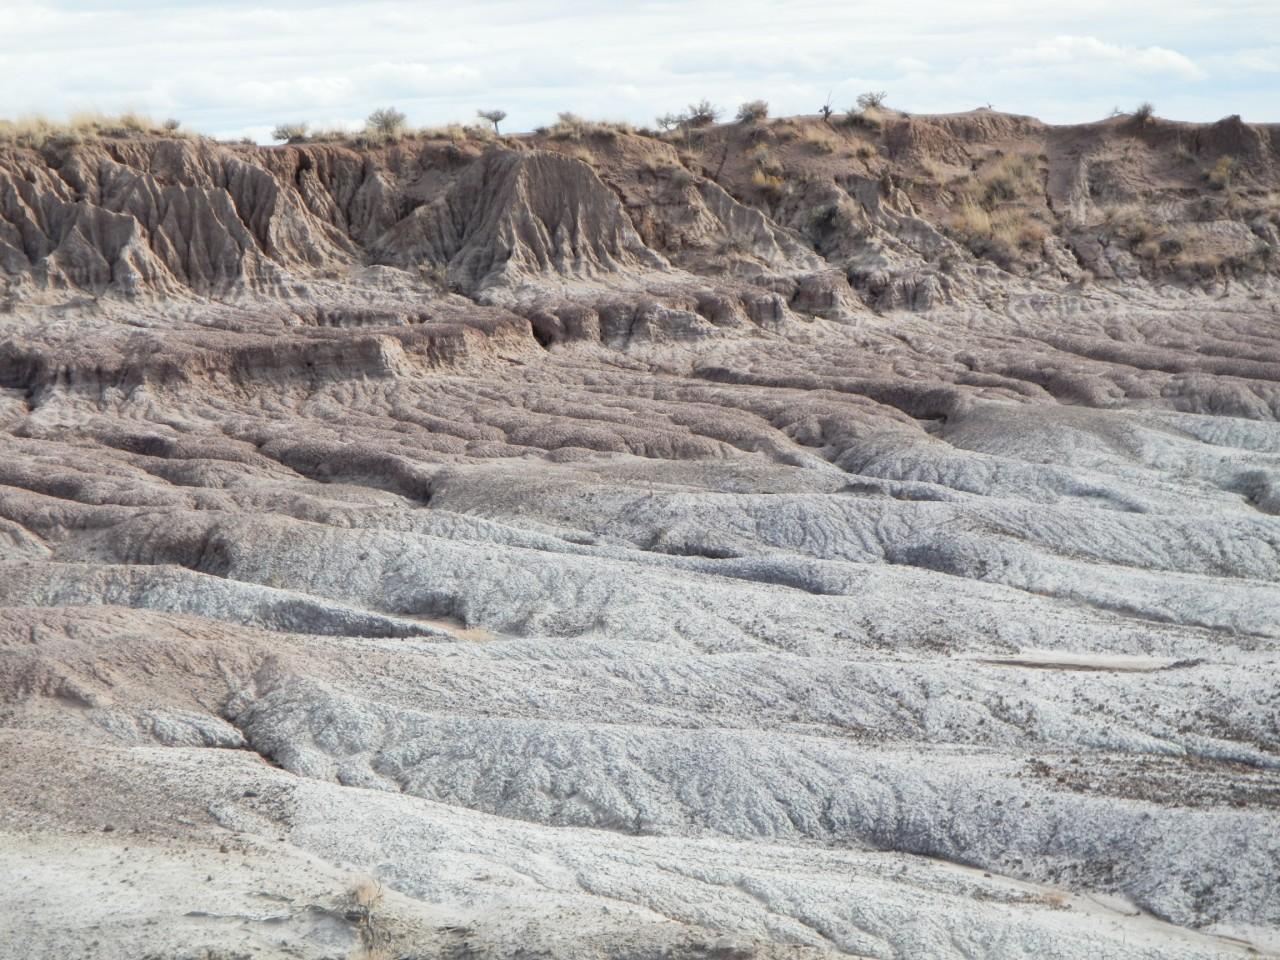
241 66
1084 53
1251 61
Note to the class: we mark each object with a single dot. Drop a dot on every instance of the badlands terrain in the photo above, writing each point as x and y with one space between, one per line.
782 538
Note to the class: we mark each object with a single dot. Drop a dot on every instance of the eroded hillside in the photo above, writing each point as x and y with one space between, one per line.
785 538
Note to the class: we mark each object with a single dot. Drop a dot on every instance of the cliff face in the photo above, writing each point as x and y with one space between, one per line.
908 211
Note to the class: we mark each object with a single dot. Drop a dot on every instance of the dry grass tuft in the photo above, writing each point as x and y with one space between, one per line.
366 894
570 126
768 183
991 217
1131 222
820 139
932 169
868 118
458 132
1002 234
1220 176
581 153
37 131
1014 176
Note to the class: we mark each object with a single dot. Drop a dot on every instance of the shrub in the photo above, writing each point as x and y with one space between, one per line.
669 121
1012 176
171 125
702 114
581 153
436 274
569 126
132 122
386 124
1144 113
820 139
998 234
869 118
1220 176
767 183
290 132
753 111
1130 222
493 116
871 100
458 131
1194 266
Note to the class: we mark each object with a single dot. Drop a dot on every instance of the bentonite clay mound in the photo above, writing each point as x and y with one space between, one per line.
724 545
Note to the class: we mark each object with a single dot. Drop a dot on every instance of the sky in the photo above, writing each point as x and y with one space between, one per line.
235 69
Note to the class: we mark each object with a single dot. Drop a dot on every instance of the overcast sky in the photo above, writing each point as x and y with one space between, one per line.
238 68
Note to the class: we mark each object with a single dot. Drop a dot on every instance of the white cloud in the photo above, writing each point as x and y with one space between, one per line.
1251 61
1084 53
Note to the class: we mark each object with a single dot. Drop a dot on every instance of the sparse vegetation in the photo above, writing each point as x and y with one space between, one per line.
581 153
570 126
385 125
701 114
38 131
871 100
458 132
768 184
672 173
1144 113
869 118
290 132
1011 177
992 218
932 169
364 898
820 139
1178 248
493 116
1131 223
1219 177
436 274
1000 234
753 111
